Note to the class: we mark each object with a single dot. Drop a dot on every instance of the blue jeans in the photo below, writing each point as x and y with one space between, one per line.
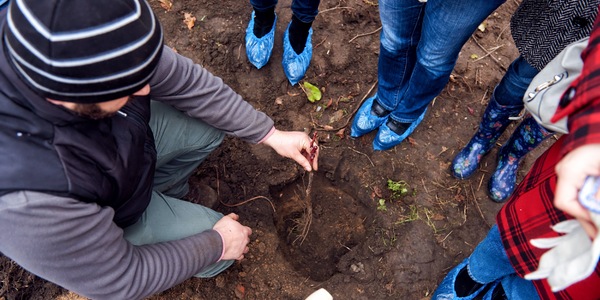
489 263
513 85
304 10
419 46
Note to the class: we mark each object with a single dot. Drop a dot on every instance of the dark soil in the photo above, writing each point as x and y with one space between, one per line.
357 246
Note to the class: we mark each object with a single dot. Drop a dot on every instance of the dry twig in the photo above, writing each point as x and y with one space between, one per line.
248 201
321 127
491 56
334 8
478 208
365 34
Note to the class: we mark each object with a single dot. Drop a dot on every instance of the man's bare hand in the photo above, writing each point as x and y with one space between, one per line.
294 145
235 237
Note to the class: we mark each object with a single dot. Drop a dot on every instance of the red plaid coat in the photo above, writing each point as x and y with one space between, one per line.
530 213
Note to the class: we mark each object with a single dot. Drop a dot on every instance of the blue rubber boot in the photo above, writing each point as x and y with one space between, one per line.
528 135
369 117
259 50
493 123
295 65
386 137
453 286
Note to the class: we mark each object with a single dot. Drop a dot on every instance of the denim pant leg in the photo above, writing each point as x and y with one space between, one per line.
401 22
305 10
514 83
446 26
182 143
262 5
489 263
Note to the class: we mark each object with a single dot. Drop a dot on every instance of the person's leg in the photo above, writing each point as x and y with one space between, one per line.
168 219
303 14
401 30
447 25
401 22
260 33
526 137
506 101
264 11
487 265
297 39
182 143
445 28
514 83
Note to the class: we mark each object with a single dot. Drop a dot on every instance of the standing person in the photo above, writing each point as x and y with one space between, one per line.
540 29
546 197
297 39
101 127
419 45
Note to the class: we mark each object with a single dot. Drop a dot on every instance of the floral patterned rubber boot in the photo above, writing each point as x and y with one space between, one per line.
528 135
493 123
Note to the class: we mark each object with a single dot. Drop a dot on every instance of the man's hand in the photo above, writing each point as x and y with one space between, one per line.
235 237
572 171
292 144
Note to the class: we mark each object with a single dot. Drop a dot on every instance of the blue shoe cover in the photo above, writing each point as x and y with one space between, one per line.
493 293
295 65
387 139
259 50
446 290
364 121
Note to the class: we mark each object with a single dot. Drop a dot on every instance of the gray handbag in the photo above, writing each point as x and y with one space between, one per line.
546 88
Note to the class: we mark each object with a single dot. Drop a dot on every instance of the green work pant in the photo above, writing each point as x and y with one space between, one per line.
182 143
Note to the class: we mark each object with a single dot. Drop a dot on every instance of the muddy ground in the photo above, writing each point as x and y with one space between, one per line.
365 240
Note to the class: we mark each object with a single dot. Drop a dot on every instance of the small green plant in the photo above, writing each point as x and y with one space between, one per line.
388 237
398 188
381 205
413 215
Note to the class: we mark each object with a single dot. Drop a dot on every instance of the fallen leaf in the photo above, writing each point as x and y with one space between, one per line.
166 4
312 92
471 111
482 26
327 127
329 103
377 191
474 56
412 141
279 101
336 116
341 133
189 20
240 291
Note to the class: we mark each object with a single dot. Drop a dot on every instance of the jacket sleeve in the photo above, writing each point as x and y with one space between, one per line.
581 102
192 89
77 246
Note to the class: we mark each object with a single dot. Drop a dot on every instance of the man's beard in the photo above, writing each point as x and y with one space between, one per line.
92 111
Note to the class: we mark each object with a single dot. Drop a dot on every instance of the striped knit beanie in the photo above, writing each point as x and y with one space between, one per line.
83 51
